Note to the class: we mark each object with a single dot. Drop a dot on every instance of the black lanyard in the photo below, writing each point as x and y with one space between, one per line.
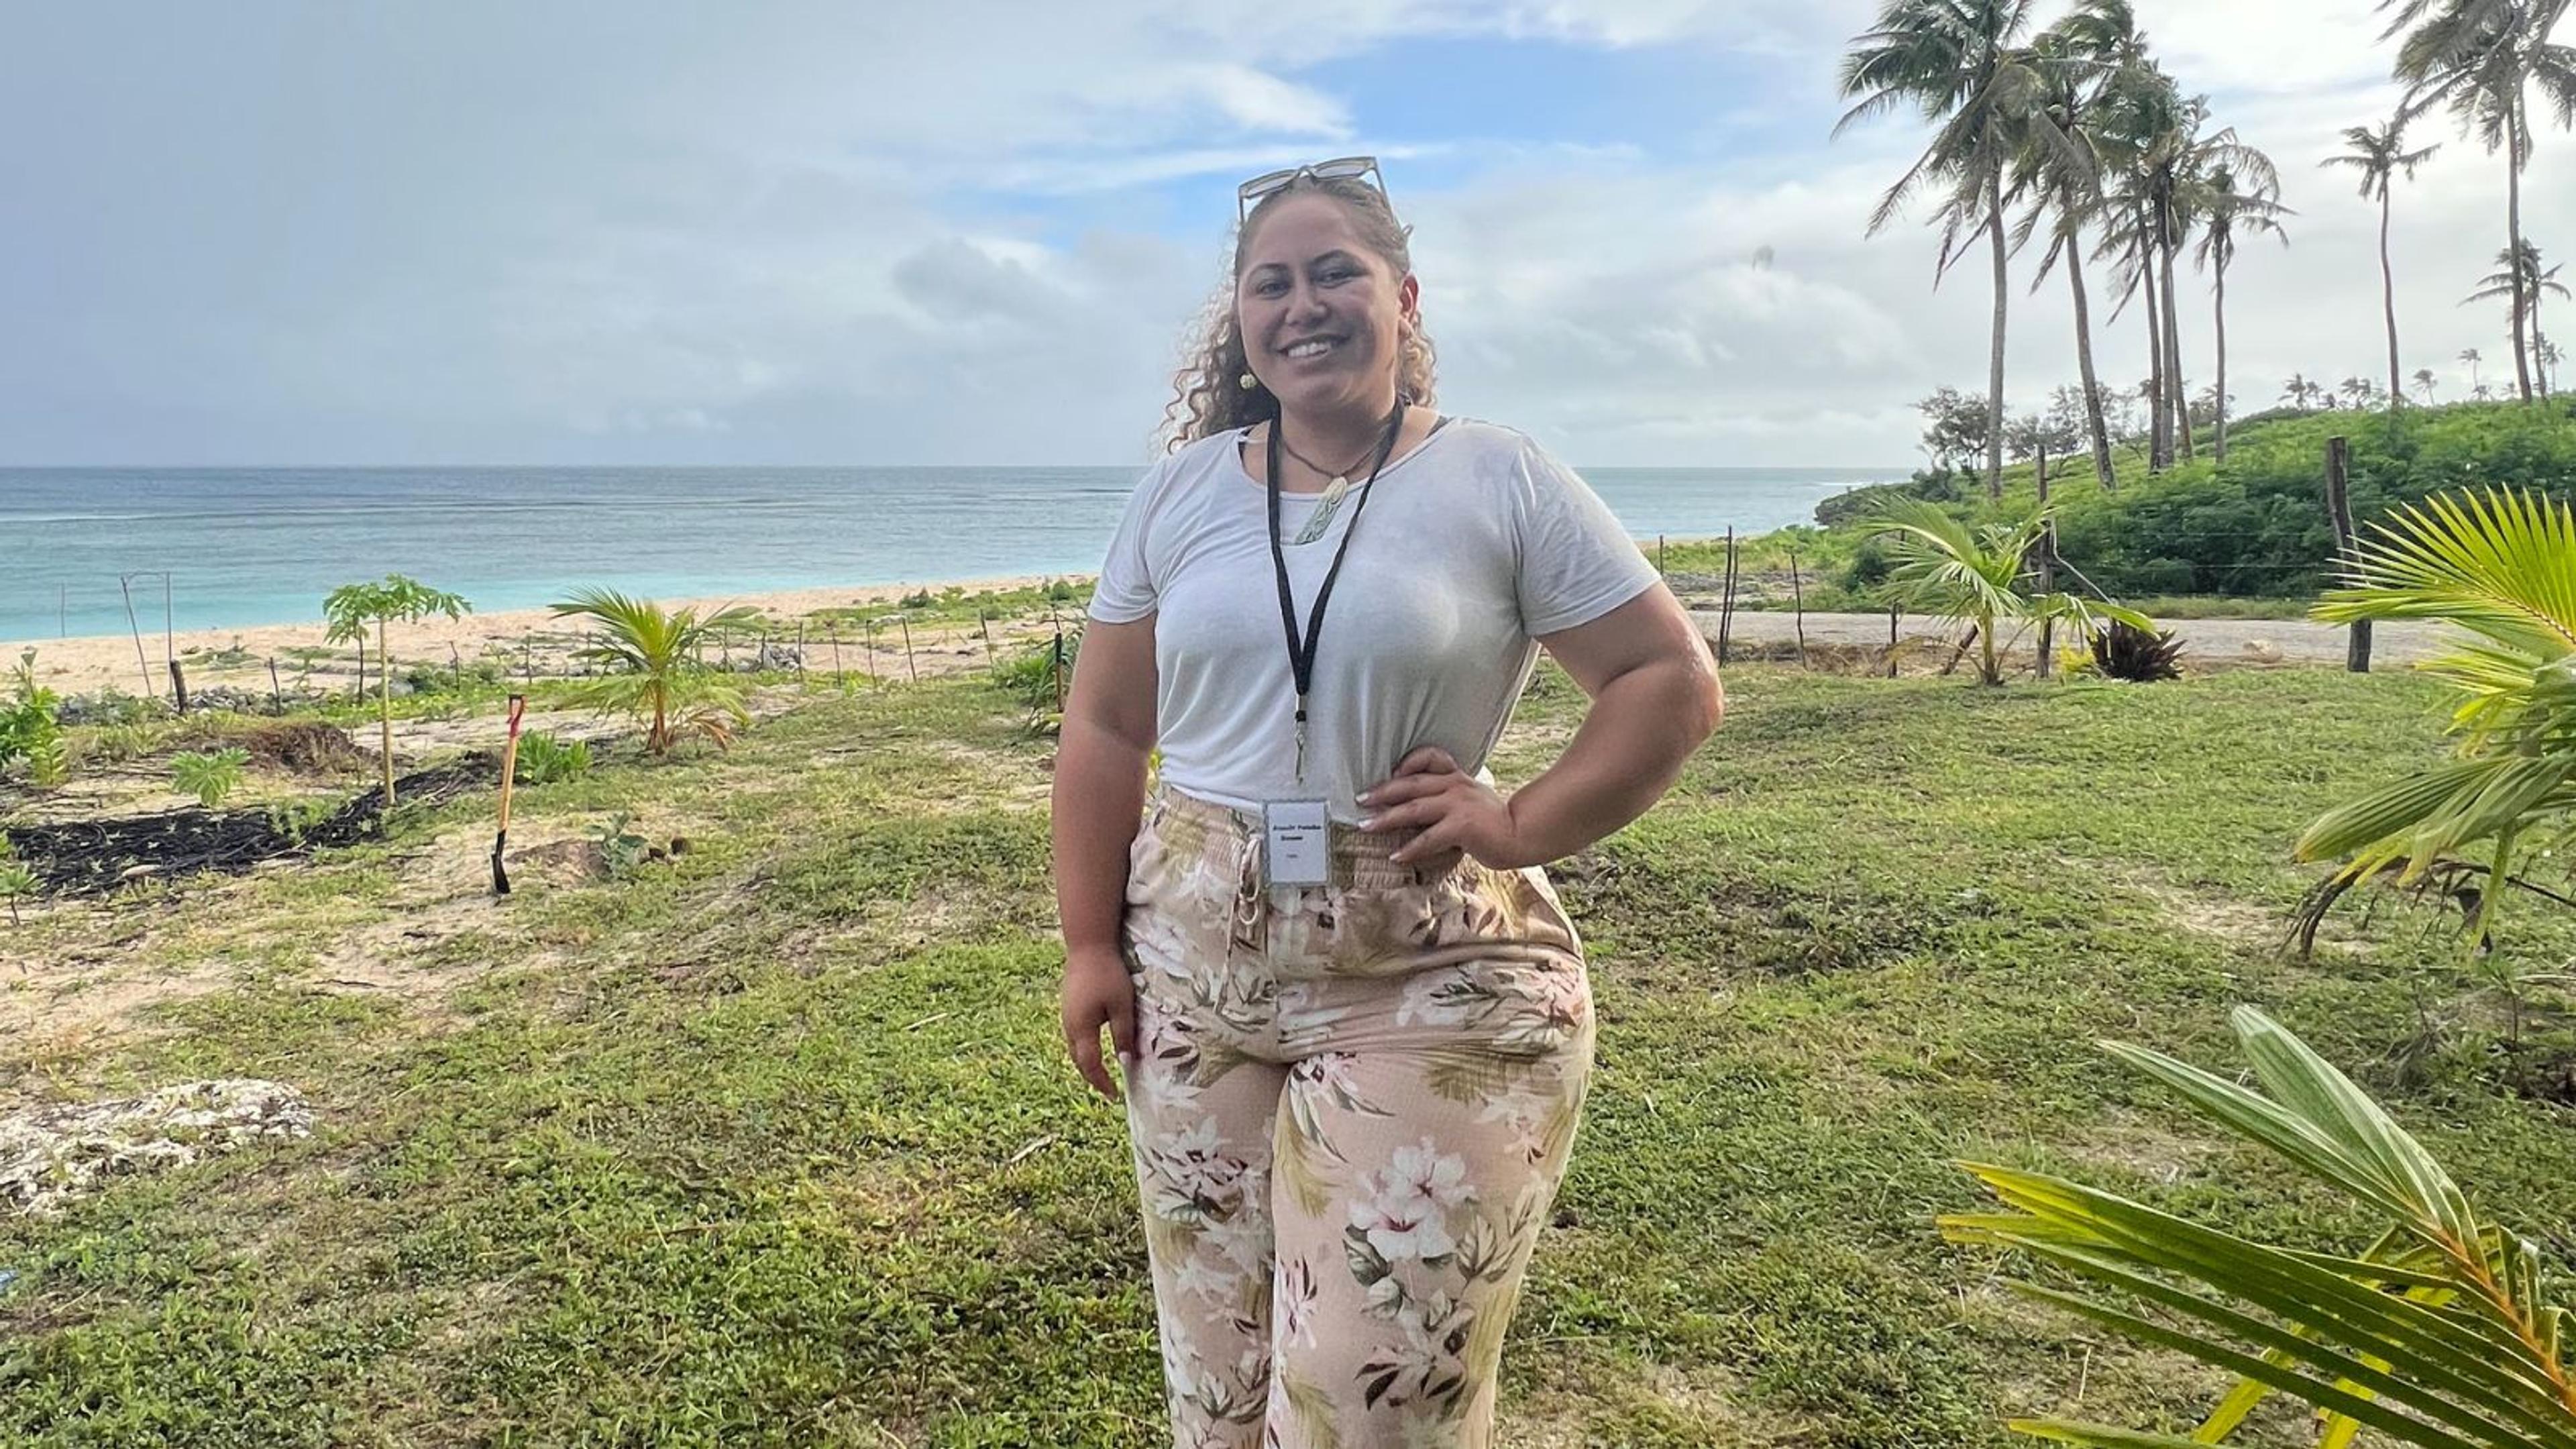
1301 650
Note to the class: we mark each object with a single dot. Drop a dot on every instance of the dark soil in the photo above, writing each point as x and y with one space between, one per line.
95 857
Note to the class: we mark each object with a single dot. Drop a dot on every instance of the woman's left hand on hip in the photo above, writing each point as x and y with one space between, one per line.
1454 810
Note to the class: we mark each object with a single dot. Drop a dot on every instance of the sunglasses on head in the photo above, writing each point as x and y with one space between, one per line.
1342 168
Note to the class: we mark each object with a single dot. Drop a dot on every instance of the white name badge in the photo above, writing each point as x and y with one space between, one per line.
1294 838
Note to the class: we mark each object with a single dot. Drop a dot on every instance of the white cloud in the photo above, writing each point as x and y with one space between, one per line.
826 232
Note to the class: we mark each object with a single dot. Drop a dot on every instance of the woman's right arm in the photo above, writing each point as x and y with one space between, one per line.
1100 758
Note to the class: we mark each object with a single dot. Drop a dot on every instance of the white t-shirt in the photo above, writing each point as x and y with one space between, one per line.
1475 542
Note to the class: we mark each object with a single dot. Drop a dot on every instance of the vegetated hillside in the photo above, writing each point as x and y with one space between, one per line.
2257 526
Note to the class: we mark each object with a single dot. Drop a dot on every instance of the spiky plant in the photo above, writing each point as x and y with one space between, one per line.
2140 656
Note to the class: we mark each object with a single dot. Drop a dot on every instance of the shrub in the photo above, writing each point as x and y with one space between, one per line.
294 819
2139 656
31 726
211 776
2161 576
16 880
2258 526
620 849
543 759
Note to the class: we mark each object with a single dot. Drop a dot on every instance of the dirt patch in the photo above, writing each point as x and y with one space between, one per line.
97 857
2216 918
307 747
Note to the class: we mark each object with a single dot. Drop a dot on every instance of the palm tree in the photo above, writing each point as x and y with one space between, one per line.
2298 390
2502 566
1937 567
1956 61
2519 280
350 608
652 654
2470 356
2424 384
2378 156
2549 357
2240 191
2058 169
2480 57
2140 109
2359 391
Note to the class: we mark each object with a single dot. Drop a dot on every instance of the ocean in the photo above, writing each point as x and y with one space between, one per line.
247 546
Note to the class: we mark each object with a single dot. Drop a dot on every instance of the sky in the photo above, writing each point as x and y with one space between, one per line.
982 231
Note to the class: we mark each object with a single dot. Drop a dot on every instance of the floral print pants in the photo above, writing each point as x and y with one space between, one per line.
1350 1107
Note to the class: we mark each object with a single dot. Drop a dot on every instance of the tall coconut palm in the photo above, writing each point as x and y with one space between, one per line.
2140 109
2519 280
2298 390
2470 356
1958 62
2480 58
2239 194
2058 172
2379 155
2424 381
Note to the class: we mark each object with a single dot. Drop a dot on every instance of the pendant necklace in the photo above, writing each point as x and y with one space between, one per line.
1334 491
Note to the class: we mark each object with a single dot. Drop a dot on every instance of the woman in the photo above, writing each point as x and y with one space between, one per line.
1353 1022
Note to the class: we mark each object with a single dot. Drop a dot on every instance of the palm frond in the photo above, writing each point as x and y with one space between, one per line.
2440 1334
2501 563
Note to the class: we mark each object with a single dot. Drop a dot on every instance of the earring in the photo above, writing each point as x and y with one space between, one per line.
1247 382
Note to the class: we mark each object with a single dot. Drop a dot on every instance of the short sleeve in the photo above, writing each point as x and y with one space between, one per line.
1127 591
1577 562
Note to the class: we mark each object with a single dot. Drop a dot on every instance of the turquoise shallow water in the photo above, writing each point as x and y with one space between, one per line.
262 545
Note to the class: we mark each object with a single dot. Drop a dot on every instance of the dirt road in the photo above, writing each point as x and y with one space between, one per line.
2205 641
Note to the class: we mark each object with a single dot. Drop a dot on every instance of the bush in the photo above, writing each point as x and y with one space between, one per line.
2258 526
2160 576
1868 567
31 727
211 776
543 759
293 819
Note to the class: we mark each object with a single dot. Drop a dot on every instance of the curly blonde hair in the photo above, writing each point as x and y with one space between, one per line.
1208 394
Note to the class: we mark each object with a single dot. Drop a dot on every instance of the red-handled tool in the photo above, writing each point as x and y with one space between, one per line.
509 773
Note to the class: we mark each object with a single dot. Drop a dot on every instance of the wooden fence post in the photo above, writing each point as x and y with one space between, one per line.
179 686
1891 641
1726 610
2339 508
1659 555
984 626
276 694
2047 550
910 670
800 651
832 629
1798 602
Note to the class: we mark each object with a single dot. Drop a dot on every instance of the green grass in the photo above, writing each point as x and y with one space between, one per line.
721 1154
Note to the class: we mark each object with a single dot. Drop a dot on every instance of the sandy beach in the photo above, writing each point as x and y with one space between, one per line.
240 657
